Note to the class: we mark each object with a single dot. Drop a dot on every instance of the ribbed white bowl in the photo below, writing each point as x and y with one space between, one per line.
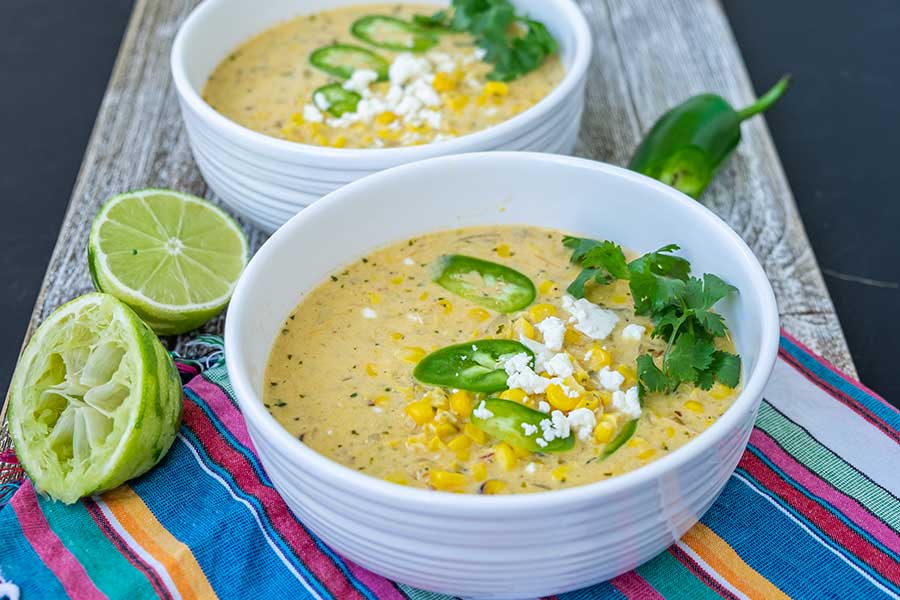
497 546
269 180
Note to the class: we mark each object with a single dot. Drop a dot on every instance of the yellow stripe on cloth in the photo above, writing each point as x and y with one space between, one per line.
725 561
175 556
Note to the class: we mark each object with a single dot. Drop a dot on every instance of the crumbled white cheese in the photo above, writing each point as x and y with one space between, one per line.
360 81
521 376
557 426
540 442
377 409
590 319
560 365
415 318
482 412
553 330
610 380
633 332
543 406
583 421
407 66
627 402
541 352
368 313
409 262
529 429
588 354
312 114
531 467
321 101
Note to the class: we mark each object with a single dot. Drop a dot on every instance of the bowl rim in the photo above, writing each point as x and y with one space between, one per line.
573 17
378 490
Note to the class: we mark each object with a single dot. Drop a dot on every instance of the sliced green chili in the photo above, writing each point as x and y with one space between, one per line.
392 34
335 99
620 439
483 282
687 144
341 60
474 366
506 424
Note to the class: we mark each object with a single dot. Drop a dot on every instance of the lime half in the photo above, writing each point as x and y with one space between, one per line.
95 399
172 257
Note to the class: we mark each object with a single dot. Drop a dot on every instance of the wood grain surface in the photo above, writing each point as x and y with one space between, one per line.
648 56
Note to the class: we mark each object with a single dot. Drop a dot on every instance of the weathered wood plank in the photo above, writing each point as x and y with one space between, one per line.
647 56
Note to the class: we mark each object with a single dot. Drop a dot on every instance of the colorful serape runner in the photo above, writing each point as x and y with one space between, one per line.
811 512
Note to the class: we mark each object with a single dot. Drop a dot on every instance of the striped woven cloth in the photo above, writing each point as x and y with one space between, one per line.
811 512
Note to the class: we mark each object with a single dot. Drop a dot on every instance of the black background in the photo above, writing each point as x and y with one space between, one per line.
837 130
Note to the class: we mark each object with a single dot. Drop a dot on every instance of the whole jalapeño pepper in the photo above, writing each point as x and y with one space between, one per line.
687 144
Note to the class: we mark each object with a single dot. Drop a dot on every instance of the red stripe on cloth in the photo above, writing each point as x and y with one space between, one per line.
691 565
380 586
225 410
50 549
829 524
276 511
857 384
821 488
843 398
635 587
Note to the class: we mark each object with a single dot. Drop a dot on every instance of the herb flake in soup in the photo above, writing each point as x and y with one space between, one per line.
386 371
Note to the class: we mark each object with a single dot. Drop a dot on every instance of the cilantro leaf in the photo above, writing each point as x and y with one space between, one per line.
650 376
727 367
688 356
576 288
602 262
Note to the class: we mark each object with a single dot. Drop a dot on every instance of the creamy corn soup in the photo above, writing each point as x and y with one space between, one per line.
271 83
341 374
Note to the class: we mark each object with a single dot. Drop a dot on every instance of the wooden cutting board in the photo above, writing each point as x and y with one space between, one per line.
648 56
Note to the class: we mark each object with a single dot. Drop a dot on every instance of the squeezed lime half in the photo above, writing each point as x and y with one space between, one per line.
95 399
172 257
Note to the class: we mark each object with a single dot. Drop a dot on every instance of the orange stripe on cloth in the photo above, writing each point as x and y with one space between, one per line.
146 530
728 564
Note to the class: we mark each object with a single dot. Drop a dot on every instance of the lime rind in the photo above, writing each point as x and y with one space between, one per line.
175 266
95 399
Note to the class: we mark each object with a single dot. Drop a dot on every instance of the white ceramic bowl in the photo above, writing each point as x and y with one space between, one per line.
268 180
498 546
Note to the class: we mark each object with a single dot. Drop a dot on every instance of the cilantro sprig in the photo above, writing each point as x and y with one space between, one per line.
514 44
680 306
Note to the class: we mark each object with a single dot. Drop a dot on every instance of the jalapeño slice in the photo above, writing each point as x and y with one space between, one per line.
335 99
474 366
506 425
489 284
341 60
392 34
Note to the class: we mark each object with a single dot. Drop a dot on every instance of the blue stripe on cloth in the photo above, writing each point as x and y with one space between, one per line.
874 405
20 564
601 591
773 544
821 502
199 511
258 468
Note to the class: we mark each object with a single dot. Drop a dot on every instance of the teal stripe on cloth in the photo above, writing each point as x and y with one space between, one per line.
109 569
20 564
673 580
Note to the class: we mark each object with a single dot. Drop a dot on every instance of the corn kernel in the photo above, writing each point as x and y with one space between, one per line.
458 443
371 371
558 398
493 486
503 250
396 477
560 472
571 337
646 454
413 354
474 434
618 298
590 401
394 444
423 296
434 444
521 452
463 455
670 432
496 88
604 431
397 279
445 480
420 411
447 306
457 103
539 312
368 140
339 142
505 456
445 430
694 406
297 119
605 398
525 328
479 471
388 134
629 374
461 403
515 395
636 442
481 100
599 358
373 297
720 391
546 286
320 140
443 82
479 314
386 118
